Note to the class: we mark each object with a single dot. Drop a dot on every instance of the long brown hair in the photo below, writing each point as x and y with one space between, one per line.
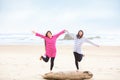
47 36
78 36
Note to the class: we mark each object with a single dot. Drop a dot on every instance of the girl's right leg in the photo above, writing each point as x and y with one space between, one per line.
45 58
76 60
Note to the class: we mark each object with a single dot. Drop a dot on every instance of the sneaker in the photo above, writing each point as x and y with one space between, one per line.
77 70
51 71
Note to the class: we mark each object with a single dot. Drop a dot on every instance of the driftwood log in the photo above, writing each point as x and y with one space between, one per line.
68 75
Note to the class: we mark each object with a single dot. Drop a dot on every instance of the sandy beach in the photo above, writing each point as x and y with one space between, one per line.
21 62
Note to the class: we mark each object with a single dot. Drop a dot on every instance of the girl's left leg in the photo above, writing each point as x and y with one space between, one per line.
78 58
52 63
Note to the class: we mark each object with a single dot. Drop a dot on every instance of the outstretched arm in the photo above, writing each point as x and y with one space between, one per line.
60 33
88 41
37 34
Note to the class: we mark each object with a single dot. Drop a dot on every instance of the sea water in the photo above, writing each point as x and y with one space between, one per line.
30 39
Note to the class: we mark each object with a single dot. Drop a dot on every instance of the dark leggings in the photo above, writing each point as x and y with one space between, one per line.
46 59
78 58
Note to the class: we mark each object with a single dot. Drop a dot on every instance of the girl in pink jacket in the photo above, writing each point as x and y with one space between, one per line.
50 46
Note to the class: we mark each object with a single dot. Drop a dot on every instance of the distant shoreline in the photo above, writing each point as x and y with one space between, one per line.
30 39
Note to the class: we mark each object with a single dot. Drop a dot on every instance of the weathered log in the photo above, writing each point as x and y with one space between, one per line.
68 75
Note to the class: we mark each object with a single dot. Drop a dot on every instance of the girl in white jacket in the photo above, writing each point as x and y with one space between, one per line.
78 41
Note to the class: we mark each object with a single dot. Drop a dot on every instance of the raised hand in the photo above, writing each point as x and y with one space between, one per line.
33 32
66 31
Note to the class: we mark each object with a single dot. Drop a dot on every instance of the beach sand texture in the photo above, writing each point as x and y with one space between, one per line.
21 62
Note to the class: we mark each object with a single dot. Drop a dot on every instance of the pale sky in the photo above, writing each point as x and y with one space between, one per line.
92 16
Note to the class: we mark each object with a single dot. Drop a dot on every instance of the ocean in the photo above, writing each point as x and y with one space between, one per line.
30 39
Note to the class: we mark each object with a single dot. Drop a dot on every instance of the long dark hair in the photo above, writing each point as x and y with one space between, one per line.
47 36
78 36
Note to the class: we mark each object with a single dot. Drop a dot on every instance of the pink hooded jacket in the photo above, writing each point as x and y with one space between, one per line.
50 43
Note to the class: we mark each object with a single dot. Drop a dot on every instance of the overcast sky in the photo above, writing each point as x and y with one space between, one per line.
93 16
